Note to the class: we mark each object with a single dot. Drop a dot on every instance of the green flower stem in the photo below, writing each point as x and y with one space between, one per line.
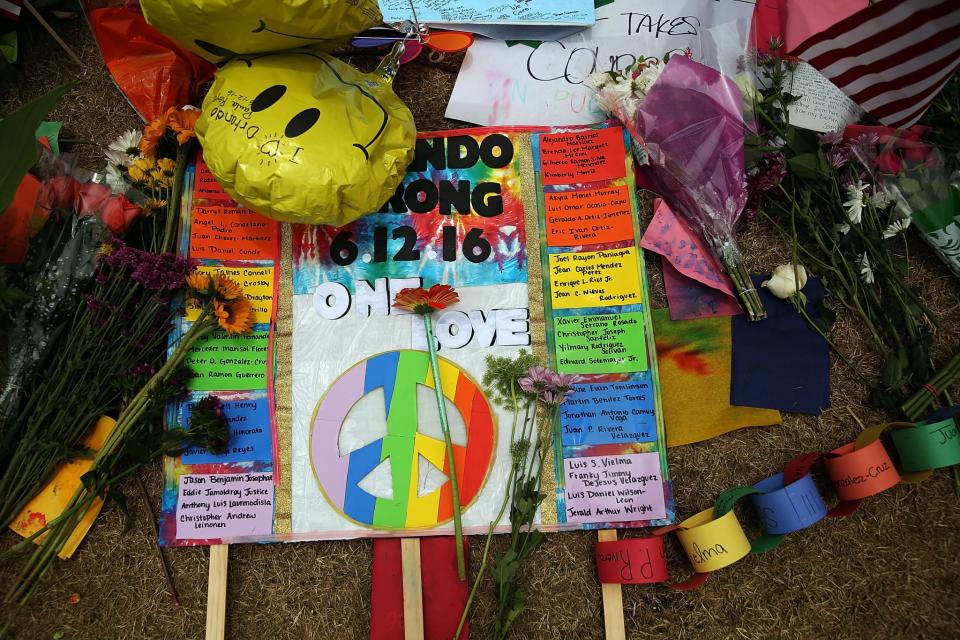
61 528
503 508
445 427
173 199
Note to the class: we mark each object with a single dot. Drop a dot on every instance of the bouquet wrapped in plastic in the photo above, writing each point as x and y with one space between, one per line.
686 122
914 174
77 214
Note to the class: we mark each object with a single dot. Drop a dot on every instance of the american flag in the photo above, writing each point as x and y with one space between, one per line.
892 58
10 10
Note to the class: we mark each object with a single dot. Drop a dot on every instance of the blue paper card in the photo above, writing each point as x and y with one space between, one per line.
609 413
552 12
250 438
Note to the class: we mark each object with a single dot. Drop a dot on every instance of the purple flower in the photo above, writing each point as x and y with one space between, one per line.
141 370
535 380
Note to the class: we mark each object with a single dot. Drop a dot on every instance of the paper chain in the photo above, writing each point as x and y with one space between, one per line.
787 502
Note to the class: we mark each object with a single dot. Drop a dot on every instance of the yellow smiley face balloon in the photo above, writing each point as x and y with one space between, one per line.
221 29
304 137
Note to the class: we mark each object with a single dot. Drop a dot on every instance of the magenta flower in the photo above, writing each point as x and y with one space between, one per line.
535 380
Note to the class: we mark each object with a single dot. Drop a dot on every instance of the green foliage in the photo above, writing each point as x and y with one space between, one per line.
500 379
19 145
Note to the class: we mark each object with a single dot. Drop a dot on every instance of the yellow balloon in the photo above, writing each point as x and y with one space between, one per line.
303 137
220 29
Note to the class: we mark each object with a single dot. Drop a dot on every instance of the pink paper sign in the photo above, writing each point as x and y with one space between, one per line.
227 505
618 488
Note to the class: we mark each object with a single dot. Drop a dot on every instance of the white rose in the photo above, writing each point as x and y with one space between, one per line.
784 280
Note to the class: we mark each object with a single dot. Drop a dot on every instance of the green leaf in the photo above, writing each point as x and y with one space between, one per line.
802 141
810 166
20 147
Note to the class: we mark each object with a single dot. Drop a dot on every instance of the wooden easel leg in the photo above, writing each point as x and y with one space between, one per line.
412 589
217 592
612 599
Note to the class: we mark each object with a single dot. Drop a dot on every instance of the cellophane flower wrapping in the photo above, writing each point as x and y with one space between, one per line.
77 213
915 175
692 128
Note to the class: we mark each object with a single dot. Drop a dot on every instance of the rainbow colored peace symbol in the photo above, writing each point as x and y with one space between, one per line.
399 373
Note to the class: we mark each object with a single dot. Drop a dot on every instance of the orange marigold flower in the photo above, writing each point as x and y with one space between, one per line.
235 316
425 301
184 122
227 289
198 281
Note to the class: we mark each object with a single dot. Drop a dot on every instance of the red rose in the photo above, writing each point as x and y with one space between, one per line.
118 213
889 162
91 198
917 152
58 193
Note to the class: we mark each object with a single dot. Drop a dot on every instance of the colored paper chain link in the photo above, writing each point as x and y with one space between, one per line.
787 502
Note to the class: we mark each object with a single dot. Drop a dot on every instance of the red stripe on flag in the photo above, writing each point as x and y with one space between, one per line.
872 12
851 49
897 86
894 58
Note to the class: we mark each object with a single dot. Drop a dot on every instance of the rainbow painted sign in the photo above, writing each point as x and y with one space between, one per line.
339 473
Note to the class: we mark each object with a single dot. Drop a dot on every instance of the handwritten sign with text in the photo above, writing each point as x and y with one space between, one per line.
588 216
609 413
594 278
249 434
582 156
224 506
223 362
225 232
614 488
608 343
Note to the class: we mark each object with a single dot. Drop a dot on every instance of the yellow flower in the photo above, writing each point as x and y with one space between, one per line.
160 178
167 165
234 317
106 249
155 204
227 289
140 170
198 281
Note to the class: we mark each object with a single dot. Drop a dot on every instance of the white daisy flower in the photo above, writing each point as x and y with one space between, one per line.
127 142
115 179
854 205
118 158
896 228
880 199
842 229
866 269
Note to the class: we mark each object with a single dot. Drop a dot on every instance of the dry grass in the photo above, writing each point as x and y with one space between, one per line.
891 570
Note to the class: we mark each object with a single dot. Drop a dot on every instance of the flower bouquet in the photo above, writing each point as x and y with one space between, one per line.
912 173
77 214
686 122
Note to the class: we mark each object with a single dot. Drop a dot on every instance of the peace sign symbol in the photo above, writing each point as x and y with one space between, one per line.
339 473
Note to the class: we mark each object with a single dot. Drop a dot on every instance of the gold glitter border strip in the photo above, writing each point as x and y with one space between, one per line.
538 337
282 392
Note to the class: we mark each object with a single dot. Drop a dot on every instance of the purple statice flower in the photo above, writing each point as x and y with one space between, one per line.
535 380
93 302
144 369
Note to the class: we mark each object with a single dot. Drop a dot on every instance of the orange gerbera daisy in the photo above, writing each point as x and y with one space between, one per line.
184 122
154 131
198 281
227 289
425 301
234 317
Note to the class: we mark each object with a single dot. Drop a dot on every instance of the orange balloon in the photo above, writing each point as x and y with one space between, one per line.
449 41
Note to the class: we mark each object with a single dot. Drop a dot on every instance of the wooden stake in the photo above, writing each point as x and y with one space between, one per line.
612 599
217 592
412 589
53 34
